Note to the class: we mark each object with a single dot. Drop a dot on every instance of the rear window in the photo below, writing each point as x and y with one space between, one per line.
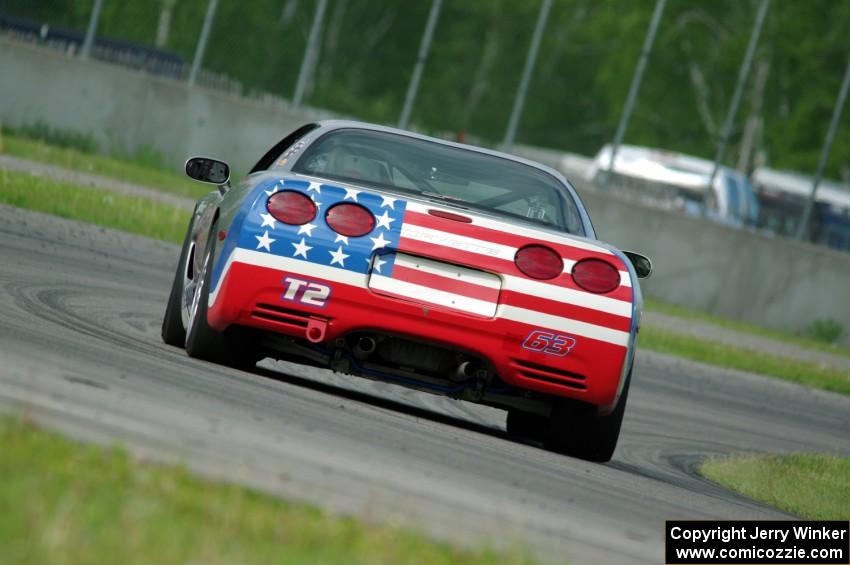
463 177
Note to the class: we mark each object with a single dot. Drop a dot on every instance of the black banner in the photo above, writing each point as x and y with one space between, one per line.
764 542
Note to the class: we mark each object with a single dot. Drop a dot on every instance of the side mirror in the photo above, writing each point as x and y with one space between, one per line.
209 170
642 264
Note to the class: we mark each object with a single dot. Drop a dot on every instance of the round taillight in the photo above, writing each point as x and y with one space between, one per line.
290 207
351 220
596 275
539 262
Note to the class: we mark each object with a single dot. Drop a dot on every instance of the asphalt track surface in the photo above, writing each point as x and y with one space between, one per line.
80 311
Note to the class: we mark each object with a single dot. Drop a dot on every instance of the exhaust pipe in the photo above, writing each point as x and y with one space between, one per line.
464 372
364 348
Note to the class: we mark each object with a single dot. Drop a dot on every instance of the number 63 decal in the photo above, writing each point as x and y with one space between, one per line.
549 342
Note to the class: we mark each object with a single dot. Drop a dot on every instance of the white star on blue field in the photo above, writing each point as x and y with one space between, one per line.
315 241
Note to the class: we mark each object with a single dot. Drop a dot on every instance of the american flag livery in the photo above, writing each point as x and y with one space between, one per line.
462 269
317 243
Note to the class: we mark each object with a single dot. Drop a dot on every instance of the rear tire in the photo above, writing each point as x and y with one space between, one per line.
576 428
202 341
173 331
525 425
234 347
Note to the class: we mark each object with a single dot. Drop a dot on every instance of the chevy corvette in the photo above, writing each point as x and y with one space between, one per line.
443 267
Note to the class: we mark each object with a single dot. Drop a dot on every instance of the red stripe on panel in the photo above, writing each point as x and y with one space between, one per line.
445 284
496 265
505 237
571 311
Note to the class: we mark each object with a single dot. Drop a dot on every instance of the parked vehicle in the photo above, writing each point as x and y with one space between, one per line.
783 195
678 181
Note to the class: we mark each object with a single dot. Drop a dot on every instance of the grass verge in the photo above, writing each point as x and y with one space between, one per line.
652 305
721 355
129 213
113 167
812 486
86 504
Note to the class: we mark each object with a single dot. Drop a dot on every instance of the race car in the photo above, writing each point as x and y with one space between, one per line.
447 268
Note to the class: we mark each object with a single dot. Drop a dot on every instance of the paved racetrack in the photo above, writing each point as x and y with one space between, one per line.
80 310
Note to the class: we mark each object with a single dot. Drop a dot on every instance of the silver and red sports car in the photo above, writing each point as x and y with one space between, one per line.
439 266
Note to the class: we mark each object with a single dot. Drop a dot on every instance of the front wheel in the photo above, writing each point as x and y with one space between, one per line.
577 429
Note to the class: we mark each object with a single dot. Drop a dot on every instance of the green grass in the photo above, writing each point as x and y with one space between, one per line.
812 486
652 305
118 168
59 137
69 503
721 355
128 213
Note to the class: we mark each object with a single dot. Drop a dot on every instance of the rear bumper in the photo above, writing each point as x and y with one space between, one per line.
251 294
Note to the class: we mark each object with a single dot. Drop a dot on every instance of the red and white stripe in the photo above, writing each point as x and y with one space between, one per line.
557 304
441 284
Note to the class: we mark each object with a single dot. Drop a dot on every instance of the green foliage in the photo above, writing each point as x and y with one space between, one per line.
128 213
148 157
588 55
76 504
743 359
812 486
827 331
145 169
808 341
40 131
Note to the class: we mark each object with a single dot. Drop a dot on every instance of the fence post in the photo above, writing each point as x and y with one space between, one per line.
201 48
424 48
88 42
633 88
530 60
743 73
824 154
311 54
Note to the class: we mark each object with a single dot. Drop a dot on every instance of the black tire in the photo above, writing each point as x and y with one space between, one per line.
202 341
577 429
525 425
241 348
232 347
173 332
